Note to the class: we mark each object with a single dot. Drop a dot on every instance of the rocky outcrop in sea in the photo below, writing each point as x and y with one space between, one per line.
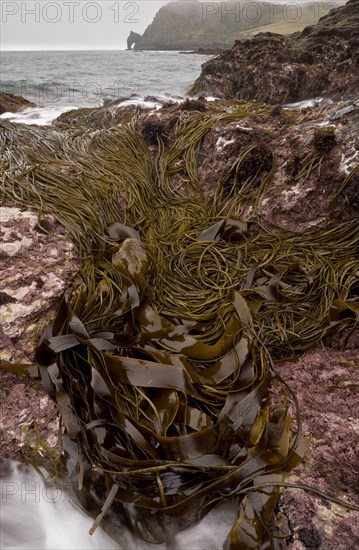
322 60
10 103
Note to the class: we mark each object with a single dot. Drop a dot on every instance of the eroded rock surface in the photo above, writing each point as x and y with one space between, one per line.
38 259
323 59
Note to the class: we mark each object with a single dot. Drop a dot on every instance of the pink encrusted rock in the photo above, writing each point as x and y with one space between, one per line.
23 401
314 148
326 383
38 260
300 194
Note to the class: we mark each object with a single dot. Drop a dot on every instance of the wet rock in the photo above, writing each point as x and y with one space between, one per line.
10 103
313 155
24 401
158 126
193 105
321 60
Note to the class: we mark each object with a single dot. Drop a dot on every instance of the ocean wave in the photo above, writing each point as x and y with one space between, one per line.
41 116
37 115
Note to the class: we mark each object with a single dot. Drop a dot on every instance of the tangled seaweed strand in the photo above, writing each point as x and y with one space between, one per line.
160 355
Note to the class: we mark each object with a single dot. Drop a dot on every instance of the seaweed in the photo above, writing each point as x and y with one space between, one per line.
161 354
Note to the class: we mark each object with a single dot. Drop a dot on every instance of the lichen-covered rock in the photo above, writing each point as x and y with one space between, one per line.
321 60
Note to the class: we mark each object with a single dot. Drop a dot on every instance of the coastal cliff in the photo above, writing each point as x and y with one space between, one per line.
216 25
321 60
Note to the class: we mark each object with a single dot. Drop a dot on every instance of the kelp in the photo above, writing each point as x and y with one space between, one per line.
97 117
160 356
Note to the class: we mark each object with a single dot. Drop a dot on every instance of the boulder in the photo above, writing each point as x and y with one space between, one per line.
10 103
295 198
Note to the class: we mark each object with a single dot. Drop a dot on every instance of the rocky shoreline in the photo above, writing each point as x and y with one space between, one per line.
322 60
195 25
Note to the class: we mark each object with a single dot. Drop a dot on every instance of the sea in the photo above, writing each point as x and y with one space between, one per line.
57 81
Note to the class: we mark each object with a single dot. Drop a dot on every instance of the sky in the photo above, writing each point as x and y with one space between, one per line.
73 24
81 24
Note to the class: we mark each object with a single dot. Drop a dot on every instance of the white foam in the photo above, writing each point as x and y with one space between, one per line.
38 517
37 115
141 103
41 116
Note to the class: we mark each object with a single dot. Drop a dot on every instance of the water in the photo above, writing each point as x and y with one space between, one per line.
59 80
35 516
